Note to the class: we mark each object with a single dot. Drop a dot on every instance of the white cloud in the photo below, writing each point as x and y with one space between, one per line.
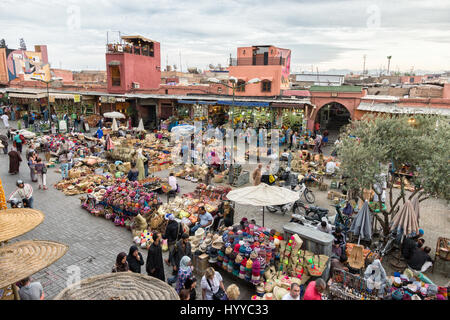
327 34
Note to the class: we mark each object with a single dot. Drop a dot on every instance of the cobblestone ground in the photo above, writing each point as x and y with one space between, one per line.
94 242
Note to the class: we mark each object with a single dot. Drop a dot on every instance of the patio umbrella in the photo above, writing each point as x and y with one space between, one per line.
114 126
362 224
15 222
406 220
119 286
263 195
415 203
114 115
183 129
141 125
22 259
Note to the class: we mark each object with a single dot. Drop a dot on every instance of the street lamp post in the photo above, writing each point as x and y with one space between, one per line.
47 84
234 86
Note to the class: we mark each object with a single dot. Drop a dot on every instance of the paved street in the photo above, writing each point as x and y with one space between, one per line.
94 242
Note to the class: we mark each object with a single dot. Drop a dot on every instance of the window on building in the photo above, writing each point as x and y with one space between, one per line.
411 80
219 90
167 91
240 87
115 75
266 86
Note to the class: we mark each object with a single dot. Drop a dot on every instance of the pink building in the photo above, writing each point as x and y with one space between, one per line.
412 79
133 65
268 63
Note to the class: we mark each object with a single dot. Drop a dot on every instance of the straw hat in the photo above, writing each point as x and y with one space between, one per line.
279 292
15 222
218 244
22 259
215 237
268 296
208 241
238 259
203 247
119 286
228 250
253 255
199 233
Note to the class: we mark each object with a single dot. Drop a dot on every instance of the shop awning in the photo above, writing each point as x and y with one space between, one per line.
62 96
394 108
286 105
27 95
244 103
196 102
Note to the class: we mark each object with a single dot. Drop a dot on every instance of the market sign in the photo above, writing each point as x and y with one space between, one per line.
51 99
105 99
76 98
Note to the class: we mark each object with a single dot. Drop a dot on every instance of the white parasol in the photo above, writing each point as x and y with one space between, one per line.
141 125
114 115
263 195
114 126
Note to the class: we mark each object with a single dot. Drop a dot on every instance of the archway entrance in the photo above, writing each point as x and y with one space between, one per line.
332 117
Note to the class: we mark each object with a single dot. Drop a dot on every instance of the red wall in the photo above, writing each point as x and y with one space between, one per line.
135 68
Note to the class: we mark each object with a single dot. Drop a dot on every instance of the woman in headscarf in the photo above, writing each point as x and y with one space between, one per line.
121 263
375 276
14 161
184 273
135 260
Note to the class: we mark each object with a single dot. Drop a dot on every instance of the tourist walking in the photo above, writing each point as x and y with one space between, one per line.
190 284
233 292
64 158
135 260
31 160
4 141
184 273
31 290
121 263
5 119
18 141
25 119
257 174
154 265
182 248
14 161
41 170
314 290
212 285
294 293
24 191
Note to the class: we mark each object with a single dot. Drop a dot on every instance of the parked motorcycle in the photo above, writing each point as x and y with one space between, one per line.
302 190
311 213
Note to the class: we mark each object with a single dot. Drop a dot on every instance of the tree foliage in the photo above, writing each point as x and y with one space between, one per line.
369 145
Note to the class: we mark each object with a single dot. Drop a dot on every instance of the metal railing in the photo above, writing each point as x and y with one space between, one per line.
126 48
258 61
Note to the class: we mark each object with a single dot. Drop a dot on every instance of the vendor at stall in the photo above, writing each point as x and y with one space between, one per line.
206 219
375 276
340 263
420 259
225 212
315 289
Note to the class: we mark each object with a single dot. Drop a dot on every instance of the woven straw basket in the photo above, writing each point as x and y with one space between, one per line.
119 286
16 222
22 259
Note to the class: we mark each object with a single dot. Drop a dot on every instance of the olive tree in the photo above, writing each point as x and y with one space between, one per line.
369 145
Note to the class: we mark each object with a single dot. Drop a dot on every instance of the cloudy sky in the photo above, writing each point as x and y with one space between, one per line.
324 34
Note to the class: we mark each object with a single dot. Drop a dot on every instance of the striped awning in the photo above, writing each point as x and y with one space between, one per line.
27 95
394 108
196 102
66 96
244 103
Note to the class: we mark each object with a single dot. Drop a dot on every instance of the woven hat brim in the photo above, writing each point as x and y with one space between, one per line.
16 222
23 259
120 285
